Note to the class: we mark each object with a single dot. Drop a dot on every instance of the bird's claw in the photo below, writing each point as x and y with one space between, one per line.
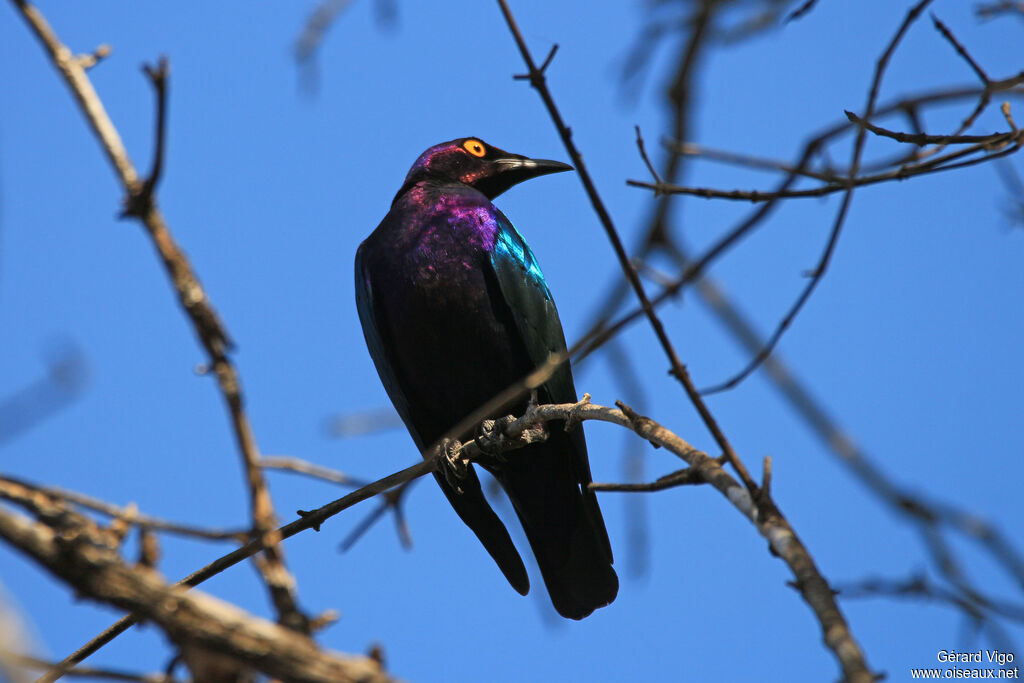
453 466
490 437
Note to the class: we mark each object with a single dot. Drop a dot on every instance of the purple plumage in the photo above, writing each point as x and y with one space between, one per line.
454 309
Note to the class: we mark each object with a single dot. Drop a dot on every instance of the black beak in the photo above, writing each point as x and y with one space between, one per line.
514 169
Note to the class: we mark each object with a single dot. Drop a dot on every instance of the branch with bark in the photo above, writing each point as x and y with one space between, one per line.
95 568
205 630
140 203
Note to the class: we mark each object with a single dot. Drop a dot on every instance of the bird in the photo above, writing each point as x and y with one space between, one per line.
455 309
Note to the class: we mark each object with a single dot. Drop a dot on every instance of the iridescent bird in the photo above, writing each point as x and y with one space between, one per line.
455 309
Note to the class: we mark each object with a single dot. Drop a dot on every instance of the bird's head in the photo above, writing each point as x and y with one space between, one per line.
473 162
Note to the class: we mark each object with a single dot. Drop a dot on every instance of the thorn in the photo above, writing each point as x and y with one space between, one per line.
323 620
547 60
307 513
1005 108
89 60
572 421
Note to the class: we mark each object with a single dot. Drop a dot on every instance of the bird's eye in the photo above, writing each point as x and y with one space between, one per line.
474 147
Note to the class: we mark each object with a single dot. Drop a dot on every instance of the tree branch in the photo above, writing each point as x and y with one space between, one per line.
211 333
82 555
538 81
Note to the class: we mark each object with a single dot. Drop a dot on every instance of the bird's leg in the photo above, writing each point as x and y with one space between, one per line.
451 463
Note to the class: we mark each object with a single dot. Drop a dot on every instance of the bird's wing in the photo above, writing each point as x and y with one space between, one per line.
375 343
525 292
471 505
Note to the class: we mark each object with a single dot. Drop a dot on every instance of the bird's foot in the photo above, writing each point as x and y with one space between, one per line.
490 437
453 466
572 420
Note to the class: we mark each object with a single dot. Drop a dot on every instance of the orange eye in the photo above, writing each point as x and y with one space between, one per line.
474 147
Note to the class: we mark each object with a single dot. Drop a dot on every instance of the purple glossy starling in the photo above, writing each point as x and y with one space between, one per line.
455 309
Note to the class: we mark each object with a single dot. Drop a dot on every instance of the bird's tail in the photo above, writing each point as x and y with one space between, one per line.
563 525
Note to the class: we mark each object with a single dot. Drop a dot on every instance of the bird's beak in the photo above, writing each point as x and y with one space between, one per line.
514 169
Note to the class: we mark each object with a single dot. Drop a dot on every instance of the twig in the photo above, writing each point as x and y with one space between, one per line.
647 160
1014 190
961 50
602 332
681 477
140 200
803 9
744 160
921 139
906 506
1009 86
918 586
130 514
986 97
67 376
679 371
191 296
363 422
29 662
1008 142
994 9
300 466
767 519
826 257
928 517
391 500
321 19
76 550
633 461
309 520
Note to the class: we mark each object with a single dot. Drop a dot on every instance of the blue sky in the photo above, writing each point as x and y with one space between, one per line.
912 340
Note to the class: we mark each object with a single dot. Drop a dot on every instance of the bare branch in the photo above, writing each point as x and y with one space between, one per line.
130 514
961 50
826 257
761 512
647 160
191 296
39 664
316 28
678 370
992 10
300 466
79 553
681 477
67 376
